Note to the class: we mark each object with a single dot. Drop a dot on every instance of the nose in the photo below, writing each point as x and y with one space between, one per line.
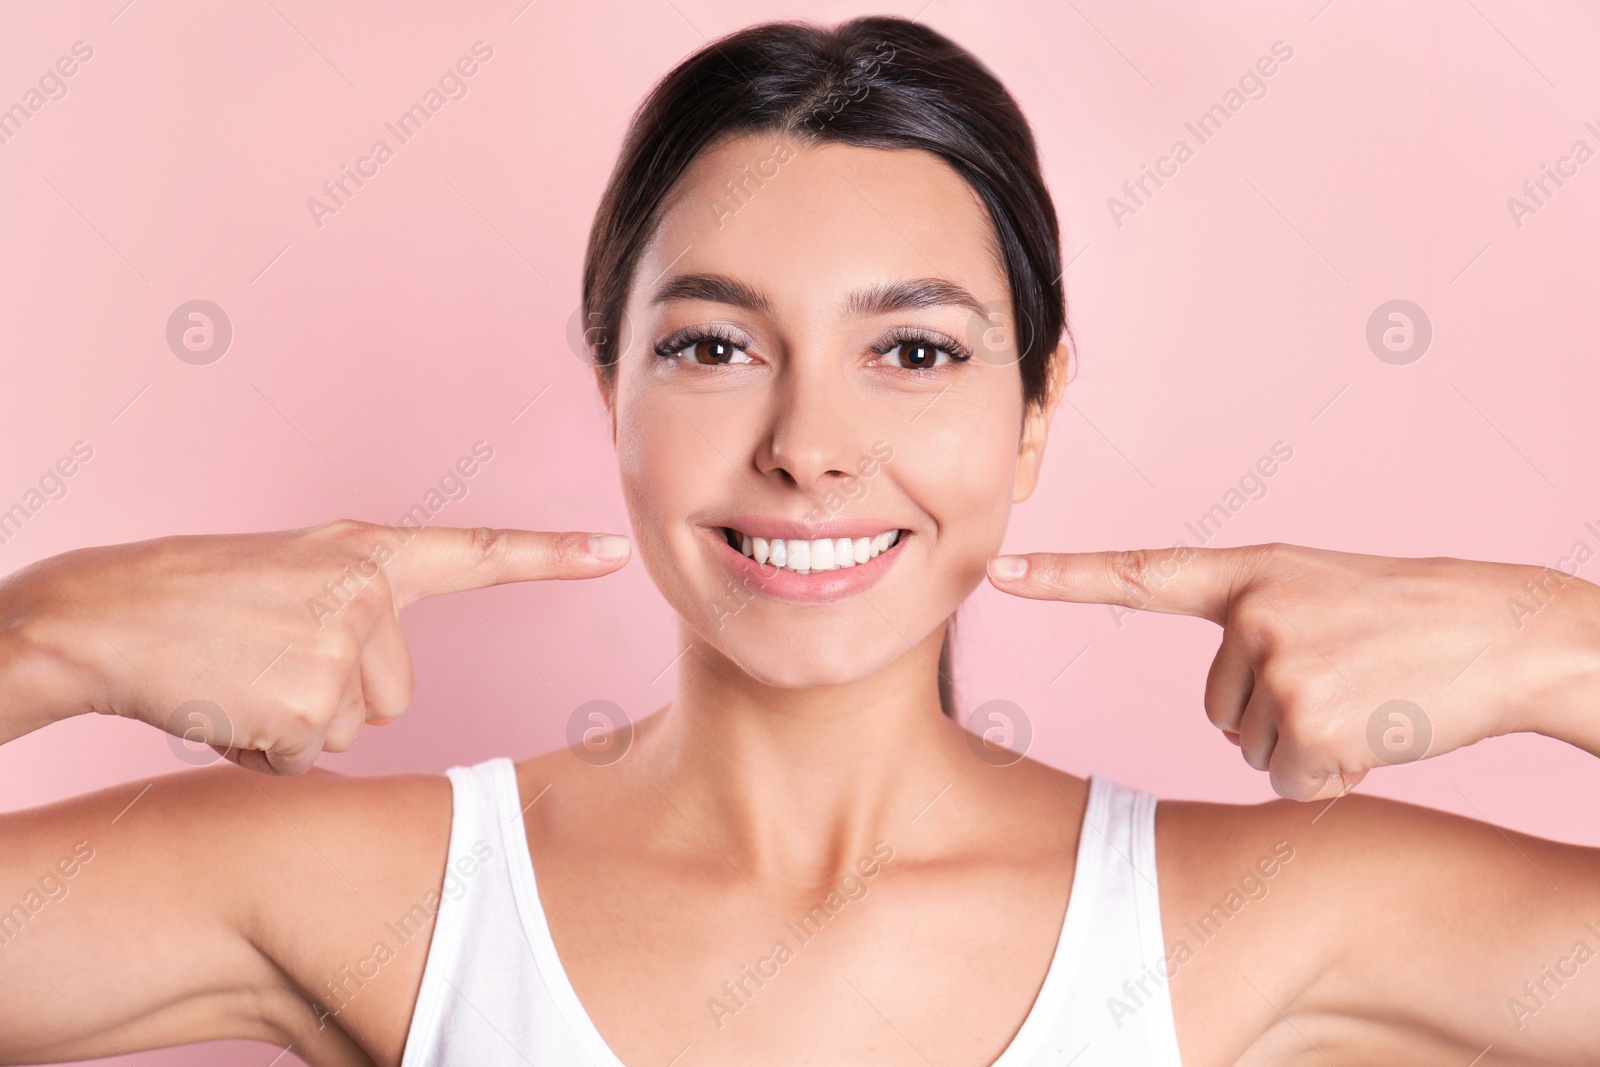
814 426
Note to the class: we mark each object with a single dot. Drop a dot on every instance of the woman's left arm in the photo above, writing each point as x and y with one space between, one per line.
1395 927
1333 663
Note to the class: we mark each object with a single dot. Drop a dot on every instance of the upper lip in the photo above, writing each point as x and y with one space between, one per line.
791 530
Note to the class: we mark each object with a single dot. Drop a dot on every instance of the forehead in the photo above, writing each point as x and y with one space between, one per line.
808 222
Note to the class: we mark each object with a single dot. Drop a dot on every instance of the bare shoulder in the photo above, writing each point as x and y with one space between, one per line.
235 819
240 818
347 876
1283 914
1345 842
241 900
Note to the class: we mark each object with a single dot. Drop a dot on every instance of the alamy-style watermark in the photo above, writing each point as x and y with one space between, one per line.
868 465
50 86
1250 888
51 485
353 977
337 192
1552 580
1251 85
1251 485
1537 192
1399 332
451 486
199 332
999 732
1399 731
1565 968
51 887
599 732
737 992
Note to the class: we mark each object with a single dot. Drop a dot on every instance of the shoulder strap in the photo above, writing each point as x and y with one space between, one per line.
475 840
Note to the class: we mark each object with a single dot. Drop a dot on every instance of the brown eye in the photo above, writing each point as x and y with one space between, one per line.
712 350
705 349
915 353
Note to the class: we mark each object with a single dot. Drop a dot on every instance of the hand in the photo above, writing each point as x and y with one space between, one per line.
1317 644
291 639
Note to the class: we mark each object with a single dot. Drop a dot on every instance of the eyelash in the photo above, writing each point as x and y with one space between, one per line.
673 346
902 335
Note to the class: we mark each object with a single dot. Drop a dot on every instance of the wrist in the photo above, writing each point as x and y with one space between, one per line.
1567 694
41 682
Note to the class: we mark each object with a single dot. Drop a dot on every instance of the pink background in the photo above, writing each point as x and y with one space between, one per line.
1227 313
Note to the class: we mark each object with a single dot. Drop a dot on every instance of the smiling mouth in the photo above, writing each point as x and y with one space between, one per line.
814 556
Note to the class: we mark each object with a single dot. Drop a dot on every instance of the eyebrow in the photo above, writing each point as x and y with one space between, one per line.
874 300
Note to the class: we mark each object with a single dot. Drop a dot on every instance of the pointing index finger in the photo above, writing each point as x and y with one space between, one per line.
432 560
1180 580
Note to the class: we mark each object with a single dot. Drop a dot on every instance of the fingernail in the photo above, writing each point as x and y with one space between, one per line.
609 546
1008 568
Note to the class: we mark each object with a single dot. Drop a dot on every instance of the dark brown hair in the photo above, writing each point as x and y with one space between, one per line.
875 82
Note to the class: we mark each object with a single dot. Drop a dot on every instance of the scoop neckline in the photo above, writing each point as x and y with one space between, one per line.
1047 1003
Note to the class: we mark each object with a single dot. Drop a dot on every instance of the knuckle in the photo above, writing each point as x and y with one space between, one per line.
1296 730
1271 550
343 529
303 716
1128 571
336 650
1252 614
342 737
1305 728
1222 711
400 696
1259 628
368 603
490 547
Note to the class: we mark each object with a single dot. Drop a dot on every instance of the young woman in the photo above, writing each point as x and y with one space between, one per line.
824 286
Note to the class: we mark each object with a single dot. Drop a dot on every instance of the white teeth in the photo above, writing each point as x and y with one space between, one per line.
822 554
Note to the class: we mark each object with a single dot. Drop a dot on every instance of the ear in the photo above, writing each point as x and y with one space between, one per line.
1036 427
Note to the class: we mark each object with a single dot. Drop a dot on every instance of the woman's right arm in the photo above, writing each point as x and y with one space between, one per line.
219 903
215 903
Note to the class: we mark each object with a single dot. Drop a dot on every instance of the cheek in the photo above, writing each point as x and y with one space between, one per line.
657 465
669 472
960 471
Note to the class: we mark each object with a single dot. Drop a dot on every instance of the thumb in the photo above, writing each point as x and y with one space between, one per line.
1179 580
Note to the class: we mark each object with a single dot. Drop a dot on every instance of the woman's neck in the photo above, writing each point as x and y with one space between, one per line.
798 784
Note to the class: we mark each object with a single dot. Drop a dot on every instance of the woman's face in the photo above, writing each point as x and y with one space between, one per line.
821 362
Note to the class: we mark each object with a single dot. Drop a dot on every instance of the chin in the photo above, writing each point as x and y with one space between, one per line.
786 659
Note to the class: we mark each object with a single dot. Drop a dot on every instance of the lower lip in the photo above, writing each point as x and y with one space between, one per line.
816 587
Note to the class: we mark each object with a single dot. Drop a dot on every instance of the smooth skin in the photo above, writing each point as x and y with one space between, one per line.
799 736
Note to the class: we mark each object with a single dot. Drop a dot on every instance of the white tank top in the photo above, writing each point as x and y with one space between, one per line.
494 991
